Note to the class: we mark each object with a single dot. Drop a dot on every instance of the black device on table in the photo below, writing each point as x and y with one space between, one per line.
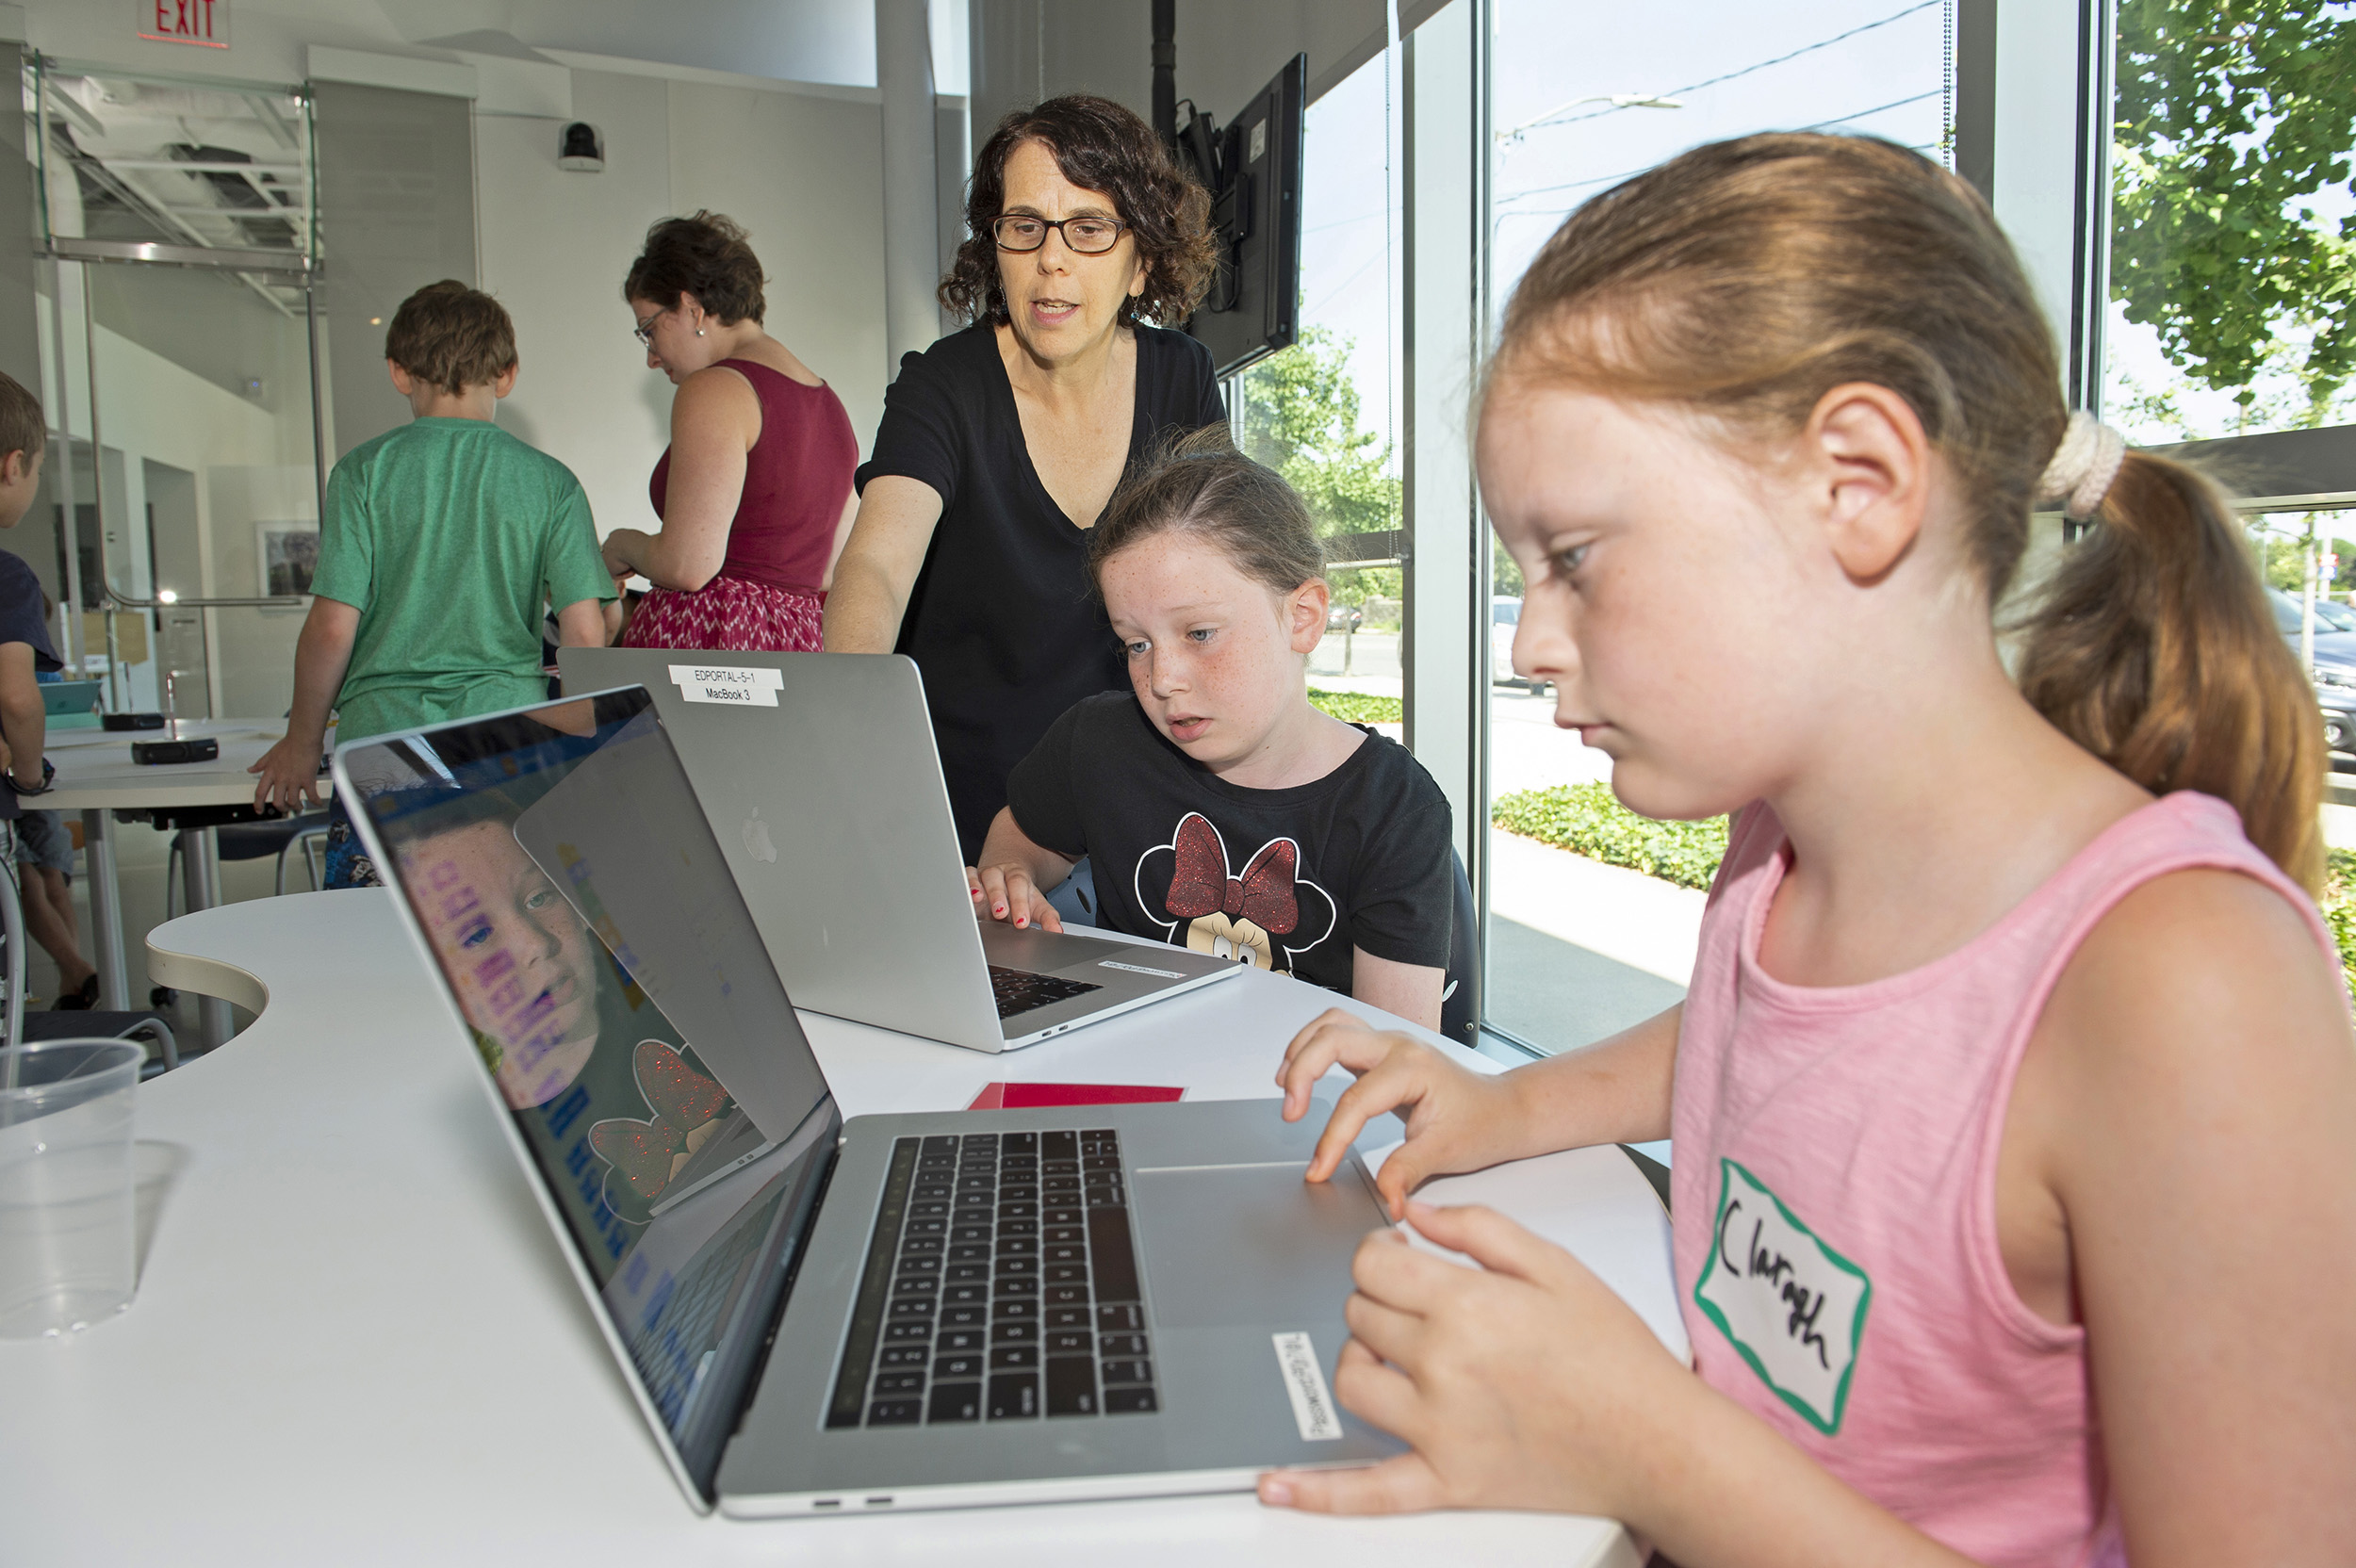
131 721
203 748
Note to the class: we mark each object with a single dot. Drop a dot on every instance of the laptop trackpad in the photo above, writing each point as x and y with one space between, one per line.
1247 1246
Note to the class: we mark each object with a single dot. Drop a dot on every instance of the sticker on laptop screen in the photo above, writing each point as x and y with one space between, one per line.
737 685
1305 1382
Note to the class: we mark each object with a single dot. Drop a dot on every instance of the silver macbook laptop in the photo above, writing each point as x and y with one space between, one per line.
818 775
908 1311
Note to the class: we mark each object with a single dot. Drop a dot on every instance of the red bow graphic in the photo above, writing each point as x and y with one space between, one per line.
681 1098
1201 886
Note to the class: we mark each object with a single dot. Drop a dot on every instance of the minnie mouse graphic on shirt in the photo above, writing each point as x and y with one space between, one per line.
1266 916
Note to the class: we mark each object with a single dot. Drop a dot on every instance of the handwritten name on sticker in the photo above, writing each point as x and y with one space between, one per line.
1304 1385
1139 969
743 686
1792 1306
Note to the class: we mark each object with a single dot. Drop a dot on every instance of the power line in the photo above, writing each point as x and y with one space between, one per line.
1893 104
1761 65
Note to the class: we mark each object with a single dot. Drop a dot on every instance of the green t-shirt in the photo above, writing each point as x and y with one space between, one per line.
451 537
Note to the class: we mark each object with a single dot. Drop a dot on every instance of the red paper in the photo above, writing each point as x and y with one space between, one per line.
1033 1097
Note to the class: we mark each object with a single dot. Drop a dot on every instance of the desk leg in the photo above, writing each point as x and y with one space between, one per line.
106 913
201 858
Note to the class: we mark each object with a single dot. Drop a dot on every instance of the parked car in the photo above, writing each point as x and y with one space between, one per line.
1505 613
1343 618
2333 672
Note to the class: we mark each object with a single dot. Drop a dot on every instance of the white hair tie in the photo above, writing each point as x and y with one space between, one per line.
2083 467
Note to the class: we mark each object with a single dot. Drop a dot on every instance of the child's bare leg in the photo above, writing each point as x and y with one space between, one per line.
49 920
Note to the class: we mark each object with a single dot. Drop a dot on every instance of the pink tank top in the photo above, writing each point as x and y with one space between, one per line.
1835 1198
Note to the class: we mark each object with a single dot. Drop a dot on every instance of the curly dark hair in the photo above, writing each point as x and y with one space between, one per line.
707 255
1099 145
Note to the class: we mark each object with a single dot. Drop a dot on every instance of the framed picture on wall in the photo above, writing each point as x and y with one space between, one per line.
289 555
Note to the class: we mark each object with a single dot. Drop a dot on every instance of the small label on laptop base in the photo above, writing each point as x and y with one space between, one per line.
1139 969
1304 1382
735 684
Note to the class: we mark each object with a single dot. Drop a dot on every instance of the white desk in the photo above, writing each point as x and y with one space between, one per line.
96 775
355 1341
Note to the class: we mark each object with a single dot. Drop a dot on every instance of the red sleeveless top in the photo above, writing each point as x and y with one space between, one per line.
797 477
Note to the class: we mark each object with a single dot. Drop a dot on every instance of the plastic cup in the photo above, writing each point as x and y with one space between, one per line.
68 1248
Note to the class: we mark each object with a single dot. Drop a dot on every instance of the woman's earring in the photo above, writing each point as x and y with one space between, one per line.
700 332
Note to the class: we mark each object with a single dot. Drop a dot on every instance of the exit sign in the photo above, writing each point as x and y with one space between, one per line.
205 23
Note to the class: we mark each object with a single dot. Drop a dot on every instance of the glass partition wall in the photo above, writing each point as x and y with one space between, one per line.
1590 911
177 351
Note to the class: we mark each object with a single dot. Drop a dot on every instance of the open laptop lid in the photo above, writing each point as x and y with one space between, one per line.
554 865
869 918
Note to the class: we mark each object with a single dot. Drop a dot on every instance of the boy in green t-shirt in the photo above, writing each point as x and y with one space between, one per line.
443 541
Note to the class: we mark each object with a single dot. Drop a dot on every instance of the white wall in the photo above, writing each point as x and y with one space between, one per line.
802 174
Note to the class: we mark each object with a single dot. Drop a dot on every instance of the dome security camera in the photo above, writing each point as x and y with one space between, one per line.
580 147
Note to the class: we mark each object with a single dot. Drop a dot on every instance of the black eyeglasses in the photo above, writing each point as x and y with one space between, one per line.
643 331
1089 236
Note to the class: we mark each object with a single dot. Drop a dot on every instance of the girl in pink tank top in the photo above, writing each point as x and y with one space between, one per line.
2013 1098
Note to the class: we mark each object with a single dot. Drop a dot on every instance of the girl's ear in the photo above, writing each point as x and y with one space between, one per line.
1868 465
1305 607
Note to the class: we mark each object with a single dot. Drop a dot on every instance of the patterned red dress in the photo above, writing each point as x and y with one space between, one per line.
766 595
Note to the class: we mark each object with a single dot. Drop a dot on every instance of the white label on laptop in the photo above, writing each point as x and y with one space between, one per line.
1139 969
1304 1382
740 685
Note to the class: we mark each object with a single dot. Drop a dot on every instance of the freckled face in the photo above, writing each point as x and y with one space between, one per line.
1209 648
521 961
1665 596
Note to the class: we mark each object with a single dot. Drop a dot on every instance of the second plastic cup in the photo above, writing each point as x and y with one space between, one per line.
68 1245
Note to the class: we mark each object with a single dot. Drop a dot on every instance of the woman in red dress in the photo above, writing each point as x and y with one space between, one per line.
755 489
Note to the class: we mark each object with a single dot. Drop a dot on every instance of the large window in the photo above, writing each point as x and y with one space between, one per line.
1323 413
1579 946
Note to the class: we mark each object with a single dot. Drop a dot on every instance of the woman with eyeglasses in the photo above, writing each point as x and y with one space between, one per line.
1001 444
755 490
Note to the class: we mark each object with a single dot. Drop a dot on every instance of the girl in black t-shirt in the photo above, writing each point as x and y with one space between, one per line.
1223 811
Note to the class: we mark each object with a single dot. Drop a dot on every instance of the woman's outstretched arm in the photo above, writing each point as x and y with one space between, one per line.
876 571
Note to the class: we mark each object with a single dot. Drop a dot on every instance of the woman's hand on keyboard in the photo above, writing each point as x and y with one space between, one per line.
1007 892
1457 1119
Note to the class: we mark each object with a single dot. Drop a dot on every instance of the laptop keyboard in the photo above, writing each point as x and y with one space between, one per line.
1019 991
1001 1284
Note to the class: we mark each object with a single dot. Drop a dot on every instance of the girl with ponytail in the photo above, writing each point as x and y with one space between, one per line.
2014 1095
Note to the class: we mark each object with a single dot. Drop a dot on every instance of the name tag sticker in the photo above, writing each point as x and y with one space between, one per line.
736 684
1139 969
1792 1307
1304 1380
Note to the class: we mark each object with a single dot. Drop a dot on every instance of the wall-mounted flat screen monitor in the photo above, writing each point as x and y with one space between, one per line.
1252 171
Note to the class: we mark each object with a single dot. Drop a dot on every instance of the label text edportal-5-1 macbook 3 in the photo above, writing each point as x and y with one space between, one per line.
818 775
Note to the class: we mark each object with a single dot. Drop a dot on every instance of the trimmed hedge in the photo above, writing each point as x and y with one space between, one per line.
1587 819
2339 908
1360 707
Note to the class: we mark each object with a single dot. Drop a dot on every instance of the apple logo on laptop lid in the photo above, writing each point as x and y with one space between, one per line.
756 835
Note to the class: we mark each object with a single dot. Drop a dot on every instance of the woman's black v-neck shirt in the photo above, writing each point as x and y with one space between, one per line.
1002 621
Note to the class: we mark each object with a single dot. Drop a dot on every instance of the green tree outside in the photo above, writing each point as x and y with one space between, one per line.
2231 114
1300 415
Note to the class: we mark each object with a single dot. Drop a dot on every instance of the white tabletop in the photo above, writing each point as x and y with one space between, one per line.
355 1340
95 771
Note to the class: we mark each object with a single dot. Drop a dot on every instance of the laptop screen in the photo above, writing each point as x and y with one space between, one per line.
623 1007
